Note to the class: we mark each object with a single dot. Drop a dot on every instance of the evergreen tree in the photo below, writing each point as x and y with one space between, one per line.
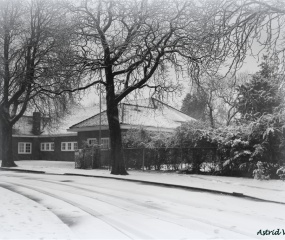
194 105
259 96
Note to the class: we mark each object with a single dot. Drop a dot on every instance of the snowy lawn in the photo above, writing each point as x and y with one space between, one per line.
273 190
22 218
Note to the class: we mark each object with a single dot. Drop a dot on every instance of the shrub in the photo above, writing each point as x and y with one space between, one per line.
281 173
260 173
241 147
88 156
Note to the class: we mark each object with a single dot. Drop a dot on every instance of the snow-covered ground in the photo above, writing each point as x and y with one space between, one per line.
48 206
22 218
273 190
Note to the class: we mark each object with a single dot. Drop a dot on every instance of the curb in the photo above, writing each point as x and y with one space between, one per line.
233 194
168 185
21 170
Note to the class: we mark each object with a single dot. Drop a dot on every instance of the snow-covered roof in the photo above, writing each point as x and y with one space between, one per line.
150 113
23 126
75 115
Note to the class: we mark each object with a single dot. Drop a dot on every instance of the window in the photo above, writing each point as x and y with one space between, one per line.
105 143
24 148
47 146
63 146
21 147
69 146
92 141
75 146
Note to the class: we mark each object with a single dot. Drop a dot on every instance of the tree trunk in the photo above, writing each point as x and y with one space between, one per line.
6 141
211 117
117 154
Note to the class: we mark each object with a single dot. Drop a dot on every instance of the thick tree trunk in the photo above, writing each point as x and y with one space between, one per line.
117 154
6 141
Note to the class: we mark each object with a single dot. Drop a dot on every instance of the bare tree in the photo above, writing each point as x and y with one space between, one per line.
263 21
135 43
34 54
227 92
222 92
257 27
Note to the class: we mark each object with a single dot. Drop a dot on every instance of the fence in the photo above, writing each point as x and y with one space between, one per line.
193 159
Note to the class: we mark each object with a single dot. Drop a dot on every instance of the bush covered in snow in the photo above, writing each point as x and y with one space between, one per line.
260 173
252 149
281 173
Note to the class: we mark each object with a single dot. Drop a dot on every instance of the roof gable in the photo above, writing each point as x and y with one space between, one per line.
77 114
150 113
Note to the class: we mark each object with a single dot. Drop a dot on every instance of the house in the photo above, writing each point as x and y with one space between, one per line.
34 139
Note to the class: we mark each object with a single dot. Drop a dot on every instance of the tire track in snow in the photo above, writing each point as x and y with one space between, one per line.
139 204
119 226
197 219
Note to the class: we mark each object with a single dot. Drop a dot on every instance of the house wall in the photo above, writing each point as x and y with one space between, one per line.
37 154
23 127
105 153
57 154
83 136
34 155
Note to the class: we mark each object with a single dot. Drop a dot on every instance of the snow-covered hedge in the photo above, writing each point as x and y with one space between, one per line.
238 149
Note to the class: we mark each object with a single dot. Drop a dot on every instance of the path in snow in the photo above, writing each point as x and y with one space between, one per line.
110 209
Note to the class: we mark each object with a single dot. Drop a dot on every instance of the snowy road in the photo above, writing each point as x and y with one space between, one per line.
98 208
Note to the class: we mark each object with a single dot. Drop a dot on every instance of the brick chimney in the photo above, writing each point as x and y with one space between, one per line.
36 123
